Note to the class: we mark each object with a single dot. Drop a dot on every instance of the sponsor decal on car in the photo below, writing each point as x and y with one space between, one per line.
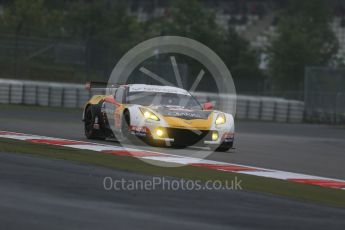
228 137
140 131
185 114
157 88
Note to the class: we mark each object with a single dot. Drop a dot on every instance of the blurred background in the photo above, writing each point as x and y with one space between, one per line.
286 56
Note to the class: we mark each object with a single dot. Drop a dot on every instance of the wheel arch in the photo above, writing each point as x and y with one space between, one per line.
84 111
126 110
95 108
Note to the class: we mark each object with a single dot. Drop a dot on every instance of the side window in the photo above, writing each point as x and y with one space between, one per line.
119 95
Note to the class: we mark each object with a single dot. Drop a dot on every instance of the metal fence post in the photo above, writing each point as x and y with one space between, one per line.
9 93
247 108
288 112
275 111
62 96
49 95
260 109
36 95
23 95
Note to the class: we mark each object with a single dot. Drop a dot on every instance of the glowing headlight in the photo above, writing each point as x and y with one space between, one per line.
148 114
159 132
220 119
215 135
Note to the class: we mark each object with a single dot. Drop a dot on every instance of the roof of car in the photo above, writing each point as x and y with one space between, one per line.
156 88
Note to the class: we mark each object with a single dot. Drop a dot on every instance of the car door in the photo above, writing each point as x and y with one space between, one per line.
119 100
110 106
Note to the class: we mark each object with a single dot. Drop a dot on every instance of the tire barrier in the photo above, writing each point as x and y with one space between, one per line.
75 96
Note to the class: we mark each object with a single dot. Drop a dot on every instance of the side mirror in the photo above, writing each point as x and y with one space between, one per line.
207 106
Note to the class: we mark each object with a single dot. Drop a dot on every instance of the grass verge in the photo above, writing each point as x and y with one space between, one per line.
300 192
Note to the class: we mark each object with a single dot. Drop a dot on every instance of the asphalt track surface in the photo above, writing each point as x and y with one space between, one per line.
38 193
54 194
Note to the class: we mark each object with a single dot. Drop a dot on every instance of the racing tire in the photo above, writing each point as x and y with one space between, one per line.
125 124
89 122
223 147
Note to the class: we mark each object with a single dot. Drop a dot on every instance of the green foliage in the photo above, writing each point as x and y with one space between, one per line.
107 31
242 62
304 39
190 19
29 18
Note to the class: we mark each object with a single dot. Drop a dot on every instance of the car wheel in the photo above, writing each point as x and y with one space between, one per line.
223 147
125 124
89 122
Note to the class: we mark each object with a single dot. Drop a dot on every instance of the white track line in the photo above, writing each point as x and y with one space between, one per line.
170 158
175 159
93 147
284 175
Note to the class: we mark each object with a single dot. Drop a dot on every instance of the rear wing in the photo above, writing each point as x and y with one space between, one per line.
99 85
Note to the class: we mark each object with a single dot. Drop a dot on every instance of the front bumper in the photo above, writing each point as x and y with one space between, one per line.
180 136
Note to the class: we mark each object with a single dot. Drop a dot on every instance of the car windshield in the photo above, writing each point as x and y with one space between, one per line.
163 99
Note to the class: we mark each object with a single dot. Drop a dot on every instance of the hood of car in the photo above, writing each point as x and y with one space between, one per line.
179 112
178 117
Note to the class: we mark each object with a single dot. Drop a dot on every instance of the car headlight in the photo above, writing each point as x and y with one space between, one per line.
220 119
215 136
148 114
159 132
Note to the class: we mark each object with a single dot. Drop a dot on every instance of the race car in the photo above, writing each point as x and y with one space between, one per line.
157 115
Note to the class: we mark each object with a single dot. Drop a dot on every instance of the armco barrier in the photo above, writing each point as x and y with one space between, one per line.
75 96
